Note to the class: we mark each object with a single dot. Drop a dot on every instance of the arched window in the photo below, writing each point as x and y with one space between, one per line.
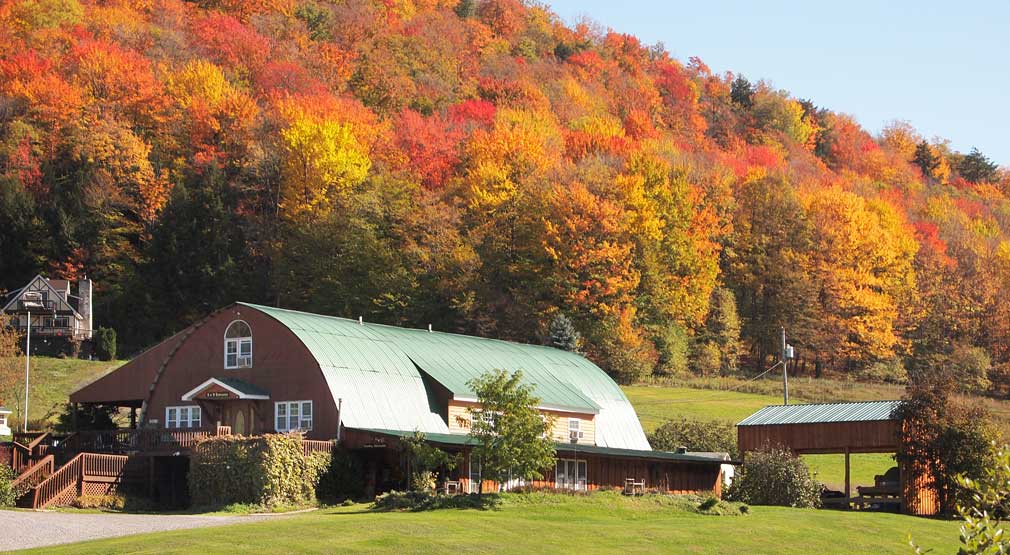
238 345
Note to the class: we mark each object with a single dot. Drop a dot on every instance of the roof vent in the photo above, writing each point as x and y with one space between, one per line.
681 450
361 321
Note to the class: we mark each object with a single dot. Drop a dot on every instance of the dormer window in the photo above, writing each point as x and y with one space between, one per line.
238 345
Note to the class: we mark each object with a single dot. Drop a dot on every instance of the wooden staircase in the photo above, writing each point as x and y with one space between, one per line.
42 482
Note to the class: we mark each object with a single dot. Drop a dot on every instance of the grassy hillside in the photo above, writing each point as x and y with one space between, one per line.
595 524
52 381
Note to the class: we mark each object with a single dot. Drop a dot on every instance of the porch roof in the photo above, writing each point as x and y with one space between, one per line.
464 440
241 388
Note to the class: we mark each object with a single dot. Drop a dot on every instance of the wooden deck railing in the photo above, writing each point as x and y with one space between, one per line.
35 474
21 457
314 446
57 485
132 441
104 466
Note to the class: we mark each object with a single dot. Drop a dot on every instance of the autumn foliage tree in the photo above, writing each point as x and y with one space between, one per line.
482 166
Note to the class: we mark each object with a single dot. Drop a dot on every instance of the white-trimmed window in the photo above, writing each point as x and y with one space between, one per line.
570 474
293 416
575 429
183 417
238 345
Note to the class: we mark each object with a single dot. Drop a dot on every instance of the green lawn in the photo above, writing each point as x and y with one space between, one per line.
599 524
830 469
52 381
656 404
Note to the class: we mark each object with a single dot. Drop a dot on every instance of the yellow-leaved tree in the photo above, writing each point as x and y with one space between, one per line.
322 161
862 255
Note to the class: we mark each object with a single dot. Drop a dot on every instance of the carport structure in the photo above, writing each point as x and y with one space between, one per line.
836 428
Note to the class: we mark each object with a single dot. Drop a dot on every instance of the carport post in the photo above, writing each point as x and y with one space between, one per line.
847 490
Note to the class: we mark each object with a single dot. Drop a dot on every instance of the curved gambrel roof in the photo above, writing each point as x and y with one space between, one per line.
377 371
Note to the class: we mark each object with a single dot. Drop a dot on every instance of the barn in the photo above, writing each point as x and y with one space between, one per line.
254 369
842 428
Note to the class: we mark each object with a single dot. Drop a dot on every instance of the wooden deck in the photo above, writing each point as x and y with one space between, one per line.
54 470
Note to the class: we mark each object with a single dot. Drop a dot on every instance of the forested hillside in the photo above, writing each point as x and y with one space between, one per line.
480 166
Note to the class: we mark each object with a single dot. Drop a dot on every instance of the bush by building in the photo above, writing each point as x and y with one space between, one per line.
7 494
695 435
269 471
105 343
774 476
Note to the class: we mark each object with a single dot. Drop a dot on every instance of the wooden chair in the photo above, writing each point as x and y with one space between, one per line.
451 487
634 487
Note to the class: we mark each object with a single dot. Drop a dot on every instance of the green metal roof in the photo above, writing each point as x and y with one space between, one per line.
464 440
822 413
243 386
376 369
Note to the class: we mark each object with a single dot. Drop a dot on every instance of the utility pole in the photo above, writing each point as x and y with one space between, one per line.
28 362
785 366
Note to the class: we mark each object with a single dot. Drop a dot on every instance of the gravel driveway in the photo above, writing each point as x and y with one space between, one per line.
25 529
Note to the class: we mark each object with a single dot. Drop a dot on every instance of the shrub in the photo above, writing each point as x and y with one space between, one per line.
428 501
343 477
774 476
696 435
268 471
7 494
886 371
114 502
105 343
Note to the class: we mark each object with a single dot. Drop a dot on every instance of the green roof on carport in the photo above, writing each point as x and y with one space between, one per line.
822 413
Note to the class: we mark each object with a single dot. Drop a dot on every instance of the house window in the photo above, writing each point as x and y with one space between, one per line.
293 416
63 322
238 345
570 474
183 417
574 429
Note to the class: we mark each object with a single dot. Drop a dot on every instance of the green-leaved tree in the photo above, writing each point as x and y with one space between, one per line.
512 437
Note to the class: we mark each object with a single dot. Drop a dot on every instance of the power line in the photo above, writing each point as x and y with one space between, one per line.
718 393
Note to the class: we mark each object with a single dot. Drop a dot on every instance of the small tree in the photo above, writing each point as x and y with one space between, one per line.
513 438
774 476
564 336
942 439
105 343
424 459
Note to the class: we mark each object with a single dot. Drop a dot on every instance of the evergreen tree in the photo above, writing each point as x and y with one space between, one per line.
977 167
564 336
742 92
926 159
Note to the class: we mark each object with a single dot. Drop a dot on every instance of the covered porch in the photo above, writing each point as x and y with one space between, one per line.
579 467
